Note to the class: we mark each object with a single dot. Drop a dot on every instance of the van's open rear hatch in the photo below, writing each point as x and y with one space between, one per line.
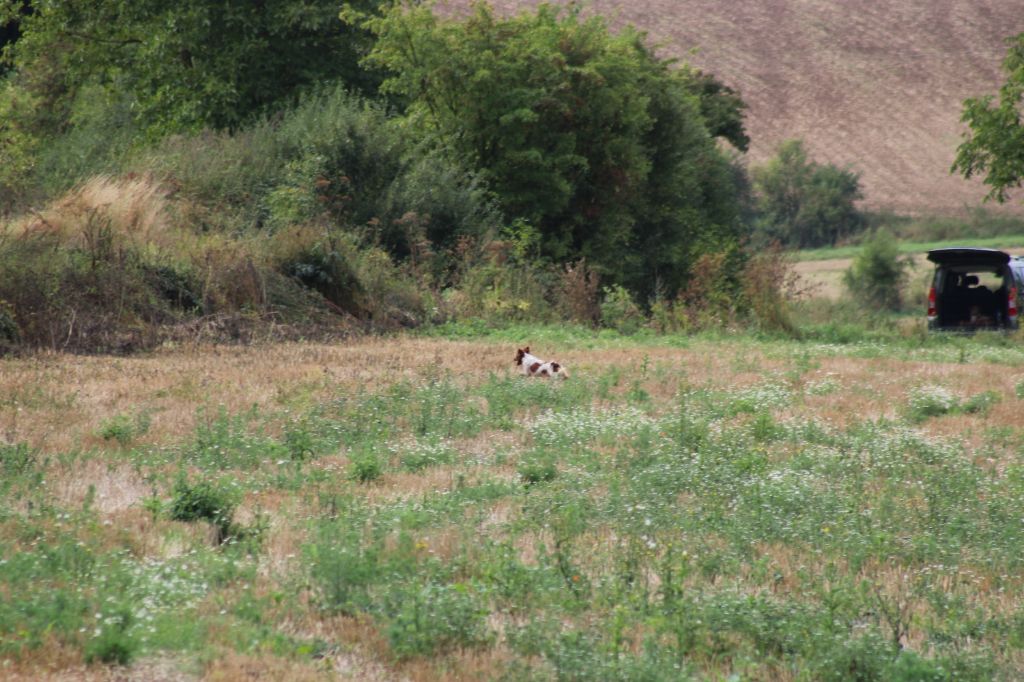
975 257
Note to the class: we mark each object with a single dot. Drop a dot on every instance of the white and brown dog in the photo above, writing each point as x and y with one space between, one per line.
533 366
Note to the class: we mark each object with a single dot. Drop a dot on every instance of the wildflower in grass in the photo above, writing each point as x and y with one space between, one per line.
426 454
583 426
824 386
930 401
765 396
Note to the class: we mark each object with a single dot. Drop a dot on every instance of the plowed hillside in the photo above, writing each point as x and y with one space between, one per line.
876 86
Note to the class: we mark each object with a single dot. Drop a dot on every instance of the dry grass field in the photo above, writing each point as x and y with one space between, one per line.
877 86
59 403
411 509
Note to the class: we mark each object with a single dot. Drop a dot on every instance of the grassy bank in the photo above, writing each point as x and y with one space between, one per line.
1012 243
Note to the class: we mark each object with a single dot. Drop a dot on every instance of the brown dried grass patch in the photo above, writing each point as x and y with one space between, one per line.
114 487
49 662
149 669
133 208
233 666
879 388
366 648
470 665
72 396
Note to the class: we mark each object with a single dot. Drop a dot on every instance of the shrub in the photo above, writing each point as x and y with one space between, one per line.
10 335
668 317
343 570
365 467
436 618
577 293
92 271
980 403
769 284
357 280
503 290
803 203
17 458
333 159
931 401
537 468
114 642
426 455
124 428
204 501
711 295
321 261
299 441
619 312
878 273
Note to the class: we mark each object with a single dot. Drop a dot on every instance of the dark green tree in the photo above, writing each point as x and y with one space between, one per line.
584 134
10 31
722 109
803 203
185 64
994 147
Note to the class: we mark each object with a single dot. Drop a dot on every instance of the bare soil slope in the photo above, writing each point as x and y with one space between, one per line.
877 86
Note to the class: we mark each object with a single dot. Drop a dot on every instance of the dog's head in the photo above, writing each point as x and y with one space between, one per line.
520 354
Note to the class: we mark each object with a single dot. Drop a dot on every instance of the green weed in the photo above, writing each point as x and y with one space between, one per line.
205 501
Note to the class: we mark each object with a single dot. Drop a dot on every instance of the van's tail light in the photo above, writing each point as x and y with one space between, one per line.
1012 307
932 313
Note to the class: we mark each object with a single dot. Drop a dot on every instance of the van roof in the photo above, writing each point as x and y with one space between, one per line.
968 255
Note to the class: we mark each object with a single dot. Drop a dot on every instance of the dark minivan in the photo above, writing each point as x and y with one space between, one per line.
974 288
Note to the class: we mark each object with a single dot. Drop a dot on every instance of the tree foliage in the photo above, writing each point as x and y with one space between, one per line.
878 273
994 147
10 31
803 203
185 64
585 134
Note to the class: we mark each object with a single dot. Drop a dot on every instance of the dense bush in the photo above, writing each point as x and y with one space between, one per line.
803 203
78 298
488 198
332 204
618 311
205 501
189 65
769 285
335 159
878 273
584 134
